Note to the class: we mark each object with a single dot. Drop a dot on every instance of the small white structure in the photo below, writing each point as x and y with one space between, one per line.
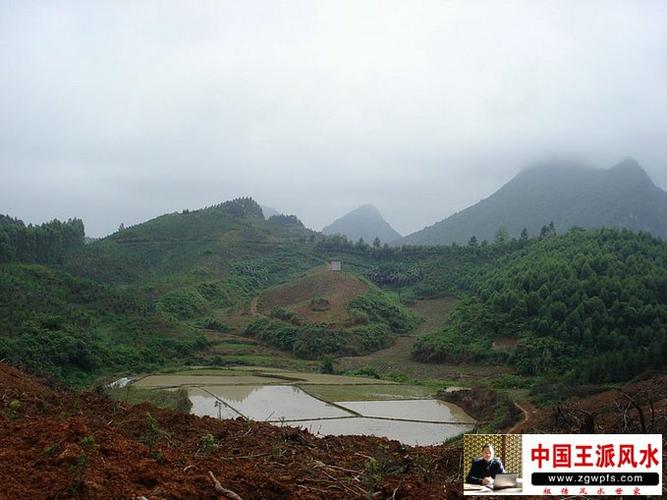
335 265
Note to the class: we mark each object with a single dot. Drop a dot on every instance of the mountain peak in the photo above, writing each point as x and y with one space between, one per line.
630 165
367 207
630 171
569 193
363 222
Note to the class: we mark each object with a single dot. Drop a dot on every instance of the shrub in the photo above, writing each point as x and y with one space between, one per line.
183 303
380 309
326 365
319 304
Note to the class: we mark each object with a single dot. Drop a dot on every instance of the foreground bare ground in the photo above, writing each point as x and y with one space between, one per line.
58 444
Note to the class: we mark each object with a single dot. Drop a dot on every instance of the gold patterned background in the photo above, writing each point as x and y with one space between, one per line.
507 447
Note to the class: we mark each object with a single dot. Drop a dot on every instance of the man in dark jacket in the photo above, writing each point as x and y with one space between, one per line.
483 470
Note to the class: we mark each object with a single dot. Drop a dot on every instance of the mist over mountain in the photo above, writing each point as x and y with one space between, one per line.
268 211
364 222
567 193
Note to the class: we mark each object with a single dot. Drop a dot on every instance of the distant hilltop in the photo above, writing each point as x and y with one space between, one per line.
364 222
565 193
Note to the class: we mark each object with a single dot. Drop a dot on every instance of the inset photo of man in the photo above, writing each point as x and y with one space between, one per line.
493 464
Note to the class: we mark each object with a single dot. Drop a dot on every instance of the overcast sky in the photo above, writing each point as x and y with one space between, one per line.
121 111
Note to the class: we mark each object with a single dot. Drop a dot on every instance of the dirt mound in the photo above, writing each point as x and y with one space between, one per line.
60 444
336 288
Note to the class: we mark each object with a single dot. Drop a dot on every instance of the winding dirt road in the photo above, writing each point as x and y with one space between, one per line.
528 410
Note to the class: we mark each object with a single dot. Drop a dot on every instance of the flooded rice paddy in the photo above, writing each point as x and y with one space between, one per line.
322 404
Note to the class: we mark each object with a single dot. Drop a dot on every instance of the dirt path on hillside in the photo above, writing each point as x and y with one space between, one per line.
528 410
253 306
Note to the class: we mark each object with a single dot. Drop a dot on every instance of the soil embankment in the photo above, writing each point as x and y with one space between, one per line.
484 405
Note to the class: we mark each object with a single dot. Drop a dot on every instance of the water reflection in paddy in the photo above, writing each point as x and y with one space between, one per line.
411 433
275 402
205 405
426 421
420 409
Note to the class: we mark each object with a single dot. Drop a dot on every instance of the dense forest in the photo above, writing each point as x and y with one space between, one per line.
589 304
44 244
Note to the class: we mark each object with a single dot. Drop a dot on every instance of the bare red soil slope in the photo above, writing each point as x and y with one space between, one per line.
57 444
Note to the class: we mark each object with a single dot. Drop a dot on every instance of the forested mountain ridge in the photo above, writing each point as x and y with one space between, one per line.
140 297
365 223
189 246
569 194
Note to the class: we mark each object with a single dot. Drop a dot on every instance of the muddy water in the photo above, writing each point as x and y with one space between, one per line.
274 402
204 404
266 398
413 422
411 433
429 410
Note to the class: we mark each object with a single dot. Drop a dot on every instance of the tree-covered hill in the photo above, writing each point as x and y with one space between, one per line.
187 247
140 297
76 329
568 194
589 304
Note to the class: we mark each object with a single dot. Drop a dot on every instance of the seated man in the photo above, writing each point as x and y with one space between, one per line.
483 470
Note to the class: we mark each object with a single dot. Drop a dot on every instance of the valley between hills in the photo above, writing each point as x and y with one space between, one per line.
260 368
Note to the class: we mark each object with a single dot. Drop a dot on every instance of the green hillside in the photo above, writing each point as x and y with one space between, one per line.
589 305
76 329
141 297
326 312
186 247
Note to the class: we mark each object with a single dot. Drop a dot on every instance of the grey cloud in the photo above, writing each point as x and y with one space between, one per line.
117 112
